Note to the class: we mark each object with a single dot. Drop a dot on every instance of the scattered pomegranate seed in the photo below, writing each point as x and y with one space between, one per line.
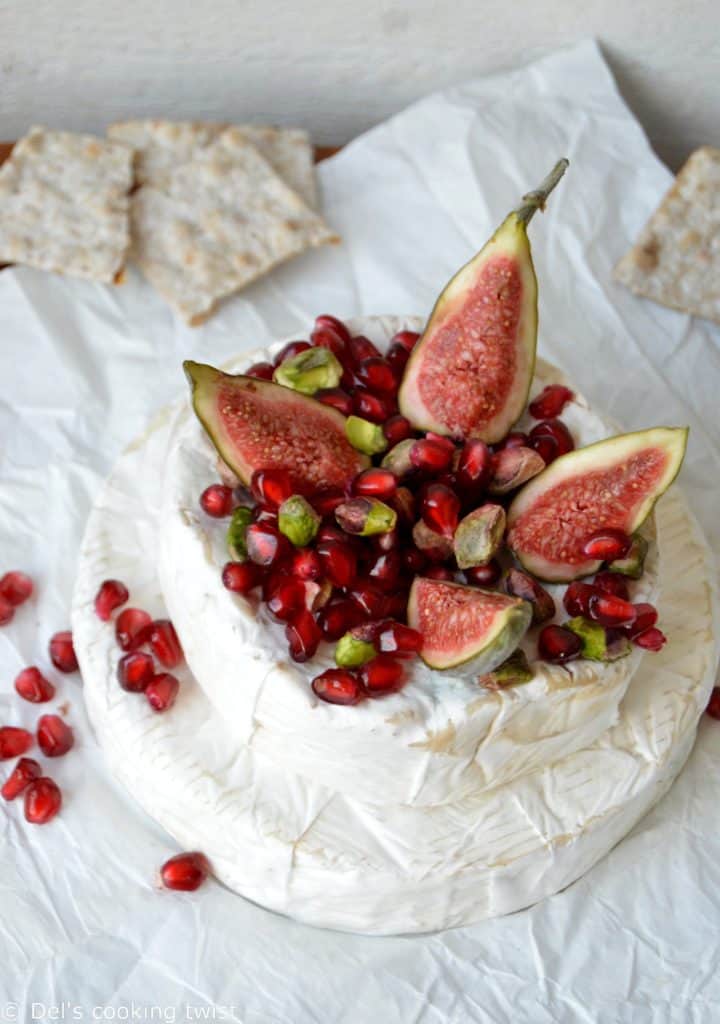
397 429
337 398
217 501
362 348
474 467
165 643
483 575
338 686
372 407
397 358
14 742
607 545
16 587
577 598
394 637
546 447
408 339
287 599
441 509
377 375
382 674
54 736
713 706
265 544
327 500
389 541
339 562
609 610
185 872
558 645
414 561
325 321
651 639
550 402
522 584
556 430
265 514
62 652
20 778
612 583
303 635
241 577
370 599
130 628
135 671
404 505
430 456
337 617
439 572
272 581
111 595
263 371
271 486
161 691
397 605
329 337
306 565
32 685
515 439
375 483
43 800
7 612
293 348
645 616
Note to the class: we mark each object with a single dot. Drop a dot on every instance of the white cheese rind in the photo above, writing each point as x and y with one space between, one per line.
442 737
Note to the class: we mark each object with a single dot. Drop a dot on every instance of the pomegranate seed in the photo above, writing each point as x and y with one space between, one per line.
62 652
263 371
111 595
474 467
394 637
339 562
370 600
607 545
483 575
521 584
556 430
372 407
303 635
713 706
397 358
385 570
577 598
264 514
430 456
265 544
651 639
161 691
382 674
135 671
558 645
337 398
32 685
329 337
241 577
550 402
338 686
306 564
164 643
287 599
404 505
130 628
646 616
439 572
327 500
14 742
441 509
609 610
612 583
397 429
397 605
377 375
515 439
43 800
185 872
16 587
338 617
389 541
271 486
54 736
293 348
217 501
362 348
413 560
546 447
375 483
7 611
22 775
327 321
408 339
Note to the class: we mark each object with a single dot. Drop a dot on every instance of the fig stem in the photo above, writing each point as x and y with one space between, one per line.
536 199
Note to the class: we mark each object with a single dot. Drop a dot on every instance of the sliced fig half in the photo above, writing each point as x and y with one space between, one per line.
613 483
470 373
465 628
258 425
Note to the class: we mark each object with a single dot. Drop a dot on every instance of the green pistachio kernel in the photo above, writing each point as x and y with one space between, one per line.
479 535
352 653
365 516
309 371
239 523
595 642
513 672
298 520
365 436
398 458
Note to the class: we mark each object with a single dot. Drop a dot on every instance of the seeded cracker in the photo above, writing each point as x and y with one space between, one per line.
676 260
64 204
163 145
218 223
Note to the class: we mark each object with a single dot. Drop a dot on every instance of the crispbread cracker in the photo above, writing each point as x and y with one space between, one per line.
676 260
219 222
64 204
161 146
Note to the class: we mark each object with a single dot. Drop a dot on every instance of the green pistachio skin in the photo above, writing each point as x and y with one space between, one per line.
298 520
367 437
241 519
365 517
352 653
309 371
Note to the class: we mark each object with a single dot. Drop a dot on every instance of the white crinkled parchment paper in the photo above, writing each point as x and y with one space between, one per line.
83 368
